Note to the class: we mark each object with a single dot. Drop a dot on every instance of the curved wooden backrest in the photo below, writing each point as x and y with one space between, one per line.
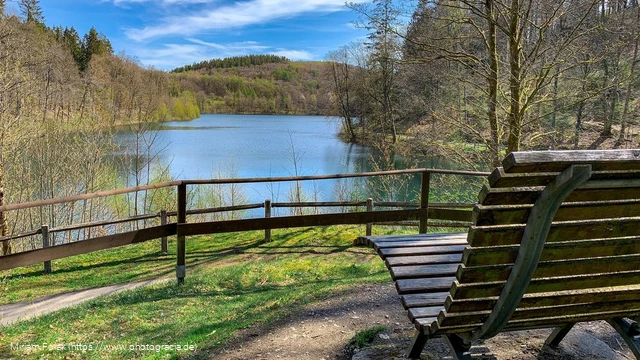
589 266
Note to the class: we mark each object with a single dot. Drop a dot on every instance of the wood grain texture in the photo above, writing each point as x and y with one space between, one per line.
556 161
26 258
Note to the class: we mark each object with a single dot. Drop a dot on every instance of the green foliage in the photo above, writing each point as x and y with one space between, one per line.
365 337
271 88
185 107
236 61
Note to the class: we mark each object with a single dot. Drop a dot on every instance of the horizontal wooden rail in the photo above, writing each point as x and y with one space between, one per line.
103 223
30 257
20 236
61 200
283 222
335 176
89 196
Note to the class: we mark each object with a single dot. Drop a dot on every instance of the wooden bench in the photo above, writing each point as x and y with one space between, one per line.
555 240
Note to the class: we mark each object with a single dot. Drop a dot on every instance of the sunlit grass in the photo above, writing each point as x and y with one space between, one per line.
234 281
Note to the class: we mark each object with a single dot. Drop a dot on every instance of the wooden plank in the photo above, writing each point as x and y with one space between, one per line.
429 299
557 298
531 249
421 250
427 324
284 222
414 237
574 282
528 195
595 265
419 271
420 243
424 312
500 179
26 258
557 251
427 285
560 231
424 259
555 161
518 214
38 203
446 319
449 214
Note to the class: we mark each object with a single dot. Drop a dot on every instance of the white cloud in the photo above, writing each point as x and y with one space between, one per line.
293 54
162 2
237 15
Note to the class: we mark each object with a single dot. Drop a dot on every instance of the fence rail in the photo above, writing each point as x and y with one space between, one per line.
410 214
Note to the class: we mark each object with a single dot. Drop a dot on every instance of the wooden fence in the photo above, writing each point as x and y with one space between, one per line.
455 215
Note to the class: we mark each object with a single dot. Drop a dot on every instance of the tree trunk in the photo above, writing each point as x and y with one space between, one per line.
492 79
627 98
515 115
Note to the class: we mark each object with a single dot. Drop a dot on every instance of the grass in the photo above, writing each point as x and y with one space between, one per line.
233 281
366 336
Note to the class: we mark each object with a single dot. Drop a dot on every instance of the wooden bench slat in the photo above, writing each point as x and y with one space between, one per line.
412 286
424 259
421 250
481 290
418 271
525 324
411 237
420 243
528 195
469 274
424 312
464 318
560 231
519 214
500 179
557 161
624 293
428 299
569 250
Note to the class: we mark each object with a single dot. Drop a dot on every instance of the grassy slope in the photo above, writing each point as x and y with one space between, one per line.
237 281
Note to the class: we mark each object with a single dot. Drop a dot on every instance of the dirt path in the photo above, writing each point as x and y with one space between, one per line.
323 330
23 310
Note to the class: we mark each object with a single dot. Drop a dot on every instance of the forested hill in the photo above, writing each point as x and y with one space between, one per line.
256 84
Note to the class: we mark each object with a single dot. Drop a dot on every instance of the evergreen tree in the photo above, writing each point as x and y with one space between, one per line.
3 8
94 44
32 11
72 40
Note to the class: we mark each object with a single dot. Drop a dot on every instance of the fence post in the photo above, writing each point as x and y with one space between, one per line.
46 242
163 241
181 269
369 208
267 214
424 200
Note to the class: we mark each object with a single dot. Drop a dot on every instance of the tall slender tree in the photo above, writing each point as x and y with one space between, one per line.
32 11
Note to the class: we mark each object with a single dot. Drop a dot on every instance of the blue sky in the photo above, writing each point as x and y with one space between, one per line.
170 33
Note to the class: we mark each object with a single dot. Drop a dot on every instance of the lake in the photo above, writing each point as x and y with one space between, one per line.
214 146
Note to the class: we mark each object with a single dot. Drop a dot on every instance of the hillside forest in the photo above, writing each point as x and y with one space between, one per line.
466 79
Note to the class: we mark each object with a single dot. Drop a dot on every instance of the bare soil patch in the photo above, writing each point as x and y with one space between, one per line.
322 330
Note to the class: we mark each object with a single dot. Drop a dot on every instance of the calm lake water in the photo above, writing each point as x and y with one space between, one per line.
263 146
